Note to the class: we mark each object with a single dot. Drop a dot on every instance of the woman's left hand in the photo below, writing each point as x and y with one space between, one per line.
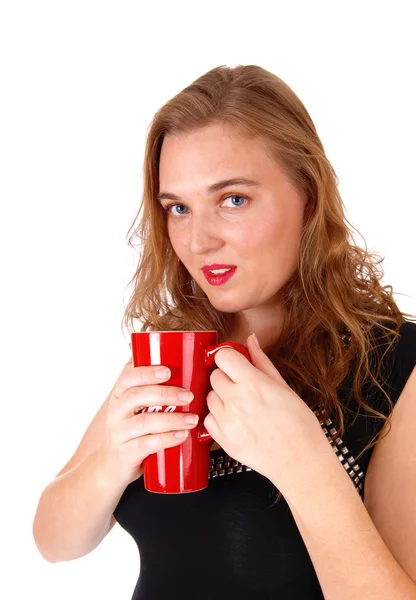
257 418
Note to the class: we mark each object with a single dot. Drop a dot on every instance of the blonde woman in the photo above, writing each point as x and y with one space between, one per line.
312 473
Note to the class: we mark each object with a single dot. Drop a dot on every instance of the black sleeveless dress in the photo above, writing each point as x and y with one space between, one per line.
229 540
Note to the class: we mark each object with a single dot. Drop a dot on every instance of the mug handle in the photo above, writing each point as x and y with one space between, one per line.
203 435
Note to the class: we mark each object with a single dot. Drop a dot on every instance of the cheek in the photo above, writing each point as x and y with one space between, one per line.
275 240
175 240
261 234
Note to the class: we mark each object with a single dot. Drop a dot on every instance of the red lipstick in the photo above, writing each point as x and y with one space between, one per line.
218 278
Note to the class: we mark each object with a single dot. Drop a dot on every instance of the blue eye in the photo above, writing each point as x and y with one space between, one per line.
167 208
235 196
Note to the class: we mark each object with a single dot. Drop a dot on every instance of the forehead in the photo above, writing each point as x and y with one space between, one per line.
209 153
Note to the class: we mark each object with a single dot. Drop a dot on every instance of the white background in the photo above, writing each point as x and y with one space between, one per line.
80 82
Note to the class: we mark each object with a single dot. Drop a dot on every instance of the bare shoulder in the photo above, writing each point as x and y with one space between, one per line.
390 483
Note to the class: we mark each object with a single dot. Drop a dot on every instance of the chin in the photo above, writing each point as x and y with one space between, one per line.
225 307
228 305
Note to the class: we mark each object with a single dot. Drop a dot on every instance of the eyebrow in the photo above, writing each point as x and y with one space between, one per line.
215 187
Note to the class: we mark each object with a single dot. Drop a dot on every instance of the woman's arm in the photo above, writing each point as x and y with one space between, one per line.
351 559
75 511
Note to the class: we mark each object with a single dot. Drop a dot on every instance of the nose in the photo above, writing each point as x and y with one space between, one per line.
204 235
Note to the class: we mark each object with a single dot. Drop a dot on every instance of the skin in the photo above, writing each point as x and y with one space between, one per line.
259 234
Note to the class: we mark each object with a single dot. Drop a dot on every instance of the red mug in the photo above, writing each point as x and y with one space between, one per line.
190 358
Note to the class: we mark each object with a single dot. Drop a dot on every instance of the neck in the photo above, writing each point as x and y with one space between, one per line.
267 328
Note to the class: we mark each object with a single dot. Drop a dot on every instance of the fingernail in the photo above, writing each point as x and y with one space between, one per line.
181 434
185 396
193 419
255 340
162 373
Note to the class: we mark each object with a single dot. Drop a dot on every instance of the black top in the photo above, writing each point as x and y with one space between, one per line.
229 540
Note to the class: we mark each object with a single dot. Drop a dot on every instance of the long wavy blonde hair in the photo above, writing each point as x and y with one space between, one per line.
336 311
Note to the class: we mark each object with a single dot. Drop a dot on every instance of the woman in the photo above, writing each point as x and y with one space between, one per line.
312 474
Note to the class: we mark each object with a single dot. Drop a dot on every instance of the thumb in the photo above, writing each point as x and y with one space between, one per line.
262 362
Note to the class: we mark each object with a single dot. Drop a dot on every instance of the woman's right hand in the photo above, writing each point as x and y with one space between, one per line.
131 436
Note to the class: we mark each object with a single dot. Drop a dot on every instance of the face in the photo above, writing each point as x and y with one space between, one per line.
255 227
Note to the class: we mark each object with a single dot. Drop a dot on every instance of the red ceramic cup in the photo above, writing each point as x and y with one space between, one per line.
190 357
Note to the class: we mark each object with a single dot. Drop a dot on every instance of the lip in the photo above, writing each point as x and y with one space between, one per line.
217 266
219 279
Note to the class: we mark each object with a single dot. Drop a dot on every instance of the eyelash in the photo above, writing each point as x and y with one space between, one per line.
167 208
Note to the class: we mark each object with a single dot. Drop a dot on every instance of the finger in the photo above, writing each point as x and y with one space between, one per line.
212 426
215 404
220 381
151 423
262 362
136 398
152 443
233 363
137 376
